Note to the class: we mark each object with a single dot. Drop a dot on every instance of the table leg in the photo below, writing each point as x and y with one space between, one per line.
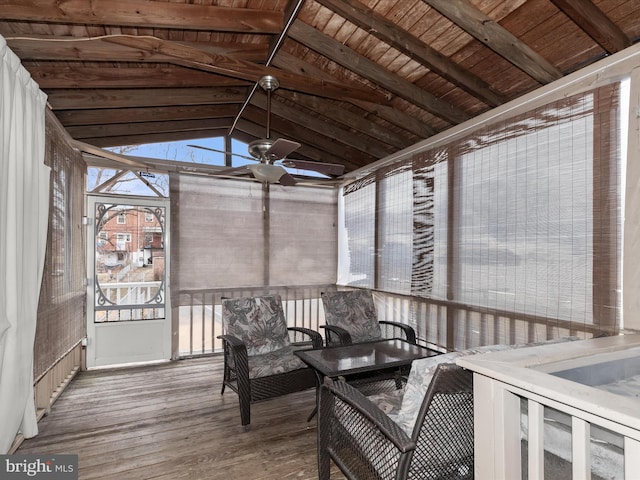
319 380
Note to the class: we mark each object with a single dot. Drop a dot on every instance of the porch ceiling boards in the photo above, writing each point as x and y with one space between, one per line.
360 79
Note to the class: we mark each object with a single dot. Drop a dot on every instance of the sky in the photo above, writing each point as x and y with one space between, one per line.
180 151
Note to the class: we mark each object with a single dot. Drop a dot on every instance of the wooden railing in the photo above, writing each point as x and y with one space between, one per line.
439 324
199 313
520 399
456 326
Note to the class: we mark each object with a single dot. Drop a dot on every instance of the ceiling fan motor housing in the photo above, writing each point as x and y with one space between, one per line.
258 149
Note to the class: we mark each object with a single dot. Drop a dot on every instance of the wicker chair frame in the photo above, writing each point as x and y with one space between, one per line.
336 335
366 444
251 390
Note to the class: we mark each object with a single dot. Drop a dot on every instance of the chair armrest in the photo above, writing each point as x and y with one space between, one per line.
367 413
316 338
409 332
344 338
236 349
234 342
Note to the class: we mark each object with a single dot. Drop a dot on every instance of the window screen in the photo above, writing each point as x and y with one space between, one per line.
357 238
520 216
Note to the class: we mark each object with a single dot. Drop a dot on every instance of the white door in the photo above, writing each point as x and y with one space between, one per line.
128 311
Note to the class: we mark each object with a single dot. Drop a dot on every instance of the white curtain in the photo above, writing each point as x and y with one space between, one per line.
24 208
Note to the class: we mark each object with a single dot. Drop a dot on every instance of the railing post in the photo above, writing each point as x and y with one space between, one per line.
535 440
631 458
497 424
580 437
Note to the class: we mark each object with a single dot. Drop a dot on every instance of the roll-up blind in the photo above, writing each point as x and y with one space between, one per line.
303 232
519 216
217 232
537 223
395 231
230 233
430 224
357 238
61 307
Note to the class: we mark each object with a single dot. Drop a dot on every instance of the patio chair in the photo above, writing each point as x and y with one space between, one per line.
352 318
258 353
424 431
366 443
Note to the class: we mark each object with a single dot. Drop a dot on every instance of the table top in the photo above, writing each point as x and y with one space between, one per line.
363 357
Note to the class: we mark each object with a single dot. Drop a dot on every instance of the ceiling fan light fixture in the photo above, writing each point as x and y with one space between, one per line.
266 172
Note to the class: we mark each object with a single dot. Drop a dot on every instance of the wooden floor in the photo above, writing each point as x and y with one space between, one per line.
170 422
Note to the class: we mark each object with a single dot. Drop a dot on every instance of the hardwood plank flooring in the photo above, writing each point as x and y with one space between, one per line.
169 422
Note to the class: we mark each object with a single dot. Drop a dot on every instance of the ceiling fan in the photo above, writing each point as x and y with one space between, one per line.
268 151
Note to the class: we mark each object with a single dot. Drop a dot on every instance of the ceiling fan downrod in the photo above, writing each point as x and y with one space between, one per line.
258 148
269 83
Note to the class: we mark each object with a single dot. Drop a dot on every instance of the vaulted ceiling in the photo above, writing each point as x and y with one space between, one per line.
359 79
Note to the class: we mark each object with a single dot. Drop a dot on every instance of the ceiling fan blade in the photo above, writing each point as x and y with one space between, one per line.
281 148
234 171
288 180
330 169
221 151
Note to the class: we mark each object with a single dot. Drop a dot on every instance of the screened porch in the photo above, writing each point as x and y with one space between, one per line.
515 227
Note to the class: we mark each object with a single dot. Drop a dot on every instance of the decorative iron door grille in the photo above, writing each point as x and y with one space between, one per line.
129 262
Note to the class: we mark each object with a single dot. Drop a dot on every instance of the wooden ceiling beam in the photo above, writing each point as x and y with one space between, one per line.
411 124
333 112
52 47
144 128
194 58
107 116
398 118
76 99
154 138
50 75
327 128
291 11
388 32
594 23
497 38
144 14
362 66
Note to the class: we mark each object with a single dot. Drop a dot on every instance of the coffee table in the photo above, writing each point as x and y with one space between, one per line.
354 360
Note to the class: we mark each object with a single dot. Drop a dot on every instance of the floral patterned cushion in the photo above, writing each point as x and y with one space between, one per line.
354 311
420 376
258 321
422 372
272 363
388 402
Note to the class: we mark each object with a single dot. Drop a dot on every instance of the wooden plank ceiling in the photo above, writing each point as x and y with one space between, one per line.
359 79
